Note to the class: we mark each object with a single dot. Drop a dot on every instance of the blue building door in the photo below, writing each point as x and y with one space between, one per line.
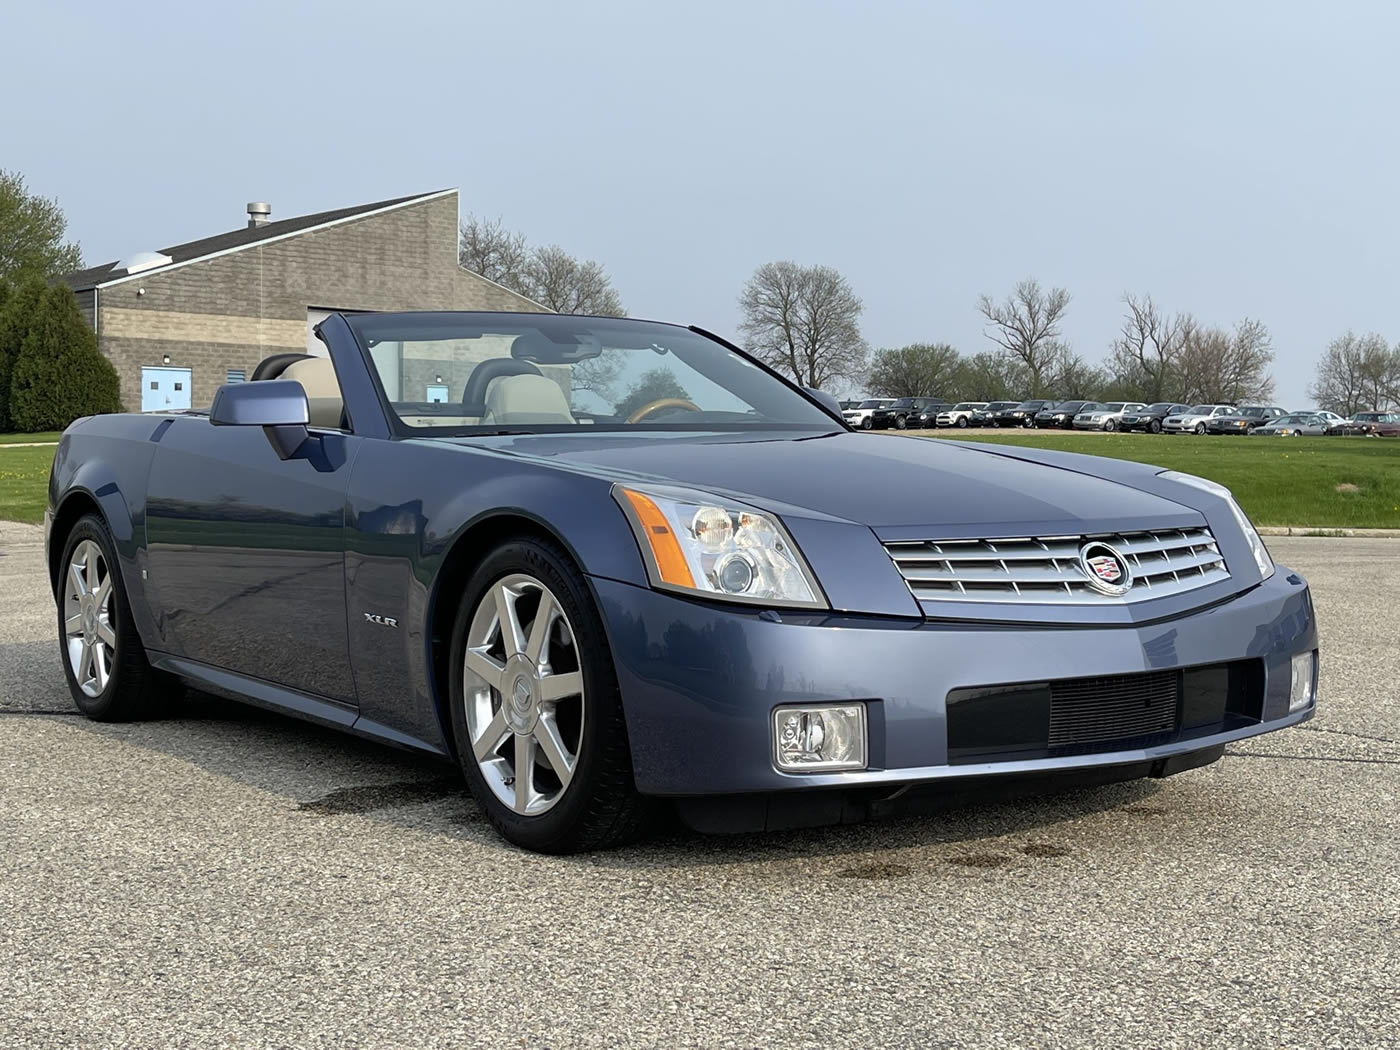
165 389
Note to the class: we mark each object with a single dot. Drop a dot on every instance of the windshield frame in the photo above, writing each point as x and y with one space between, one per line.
830 422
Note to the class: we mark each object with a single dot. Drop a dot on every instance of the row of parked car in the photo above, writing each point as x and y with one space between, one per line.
1163 417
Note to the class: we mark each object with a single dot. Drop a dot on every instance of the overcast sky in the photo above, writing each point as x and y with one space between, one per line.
1232 159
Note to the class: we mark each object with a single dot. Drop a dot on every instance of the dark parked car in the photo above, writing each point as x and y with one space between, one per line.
928 415
1244 419
904 412
1149 419
1061 413
1373 424
987 417
1022 414
721 597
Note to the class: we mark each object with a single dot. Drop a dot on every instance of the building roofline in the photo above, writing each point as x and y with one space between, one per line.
412 201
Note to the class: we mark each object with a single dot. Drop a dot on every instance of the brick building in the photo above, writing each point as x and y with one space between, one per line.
180 322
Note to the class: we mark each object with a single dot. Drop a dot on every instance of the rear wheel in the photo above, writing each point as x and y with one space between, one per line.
104 660
536 710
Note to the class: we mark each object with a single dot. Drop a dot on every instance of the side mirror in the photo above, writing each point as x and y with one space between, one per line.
277 405
828 401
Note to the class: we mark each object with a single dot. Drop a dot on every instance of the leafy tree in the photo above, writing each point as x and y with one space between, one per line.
989 376
59 374
804 321
18 303
547 275
31 233
1027 327
653 385
916 370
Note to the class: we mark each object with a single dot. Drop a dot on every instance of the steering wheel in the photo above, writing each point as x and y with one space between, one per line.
659 404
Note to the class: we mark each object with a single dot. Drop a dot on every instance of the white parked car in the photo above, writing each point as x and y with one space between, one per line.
1195 420
959 414
1106 416
859 417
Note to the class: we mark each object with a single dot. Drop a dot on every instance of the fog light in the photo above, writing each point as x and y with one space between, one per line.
1302 692
819 738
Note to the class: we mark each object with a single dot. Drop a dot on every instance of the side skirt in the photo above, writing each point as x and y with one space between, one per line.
268 695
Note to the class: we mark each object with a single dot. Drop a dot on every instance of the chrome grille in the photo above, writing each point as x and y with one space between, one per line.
1045 570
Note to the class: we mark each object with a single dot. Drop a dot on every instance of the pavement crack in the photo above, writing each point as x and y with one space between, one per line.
1316 758
1347 732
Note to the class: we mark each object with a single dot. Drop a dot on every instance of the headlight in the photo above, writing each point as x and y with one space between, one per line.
1256 545
710 545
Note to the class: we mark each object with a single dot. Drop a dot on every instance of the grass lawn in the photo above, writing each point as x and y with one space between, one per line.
24 483
23 439
1333 482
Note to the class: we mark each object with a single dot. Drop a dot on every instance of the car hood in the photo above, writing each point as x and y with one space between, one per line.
891 484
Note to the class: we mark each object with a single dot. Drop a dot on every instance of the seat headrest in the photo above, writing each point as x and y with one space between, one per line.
474 393
526 399
316 376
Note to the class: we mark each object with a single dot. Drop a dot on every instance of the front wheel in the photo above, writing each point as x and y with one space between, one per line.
104 660
1155 427
962 422
1200 428
900 422
1110 426
536 710
867 423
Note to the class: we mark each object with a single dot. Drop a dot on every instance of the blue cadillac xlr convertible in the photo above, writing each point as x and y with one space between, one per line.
599 562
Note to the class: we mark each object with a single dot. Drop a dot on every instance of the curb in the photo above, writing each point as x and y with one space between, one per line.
29 444
1320 531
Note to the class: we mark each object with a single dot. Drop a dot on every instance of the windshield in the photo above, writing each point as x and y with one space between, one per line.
1160 406
1029 406
874 402
1202 410
965 406
495 371
1251 413
1367 417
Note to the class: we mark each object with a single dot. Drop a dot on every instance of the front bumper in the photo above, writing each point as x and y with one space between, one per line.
699 681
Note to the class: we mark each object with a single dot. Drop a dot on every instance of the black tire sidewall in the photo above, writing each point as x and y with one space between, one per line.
562 828
109 704
1155 427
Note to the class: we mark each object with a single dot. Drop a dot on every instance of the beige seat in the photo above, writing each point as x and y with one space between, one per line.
317 377
516 400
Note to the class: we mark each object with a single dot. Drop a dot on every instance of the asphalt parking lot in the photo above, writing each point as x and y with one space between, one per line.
232 878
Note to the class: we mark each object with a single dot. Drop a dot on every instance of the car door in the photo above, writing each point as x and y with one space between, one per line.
246 553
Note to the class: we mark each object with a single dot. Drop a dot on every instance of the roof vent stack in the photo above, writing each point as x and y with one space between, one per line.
259 213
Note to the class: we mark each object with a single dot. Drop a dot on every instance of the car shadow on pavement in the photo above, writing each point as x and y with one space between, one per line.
322 772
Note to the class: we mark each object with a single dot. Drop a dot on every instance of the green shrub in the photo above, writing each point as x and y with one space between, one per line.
58 374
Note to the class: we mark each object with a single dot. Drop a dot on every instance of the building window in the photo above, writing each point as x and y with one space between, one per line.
179 386
155 385
236 375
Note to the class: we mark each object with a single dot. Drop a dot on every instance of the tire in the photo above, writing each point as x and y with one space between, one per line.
1155 426
962 422
901 422
1110 426
104 660
507 698
867 423
1200 428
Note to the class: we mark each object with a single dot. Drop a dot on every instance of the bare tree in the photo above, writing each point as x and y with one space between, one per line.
989 376
804 321
488 248
1074 377
1221 366
1146 351
548 275
569 286
1357 373
1027 326
916 370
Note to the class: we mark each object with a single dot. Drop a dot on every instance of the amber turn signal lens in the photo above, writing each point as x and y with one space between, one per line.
665 547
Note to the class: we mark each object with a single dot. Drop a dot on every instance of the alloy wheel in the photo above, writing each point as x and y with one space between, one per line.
89 633
522 687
